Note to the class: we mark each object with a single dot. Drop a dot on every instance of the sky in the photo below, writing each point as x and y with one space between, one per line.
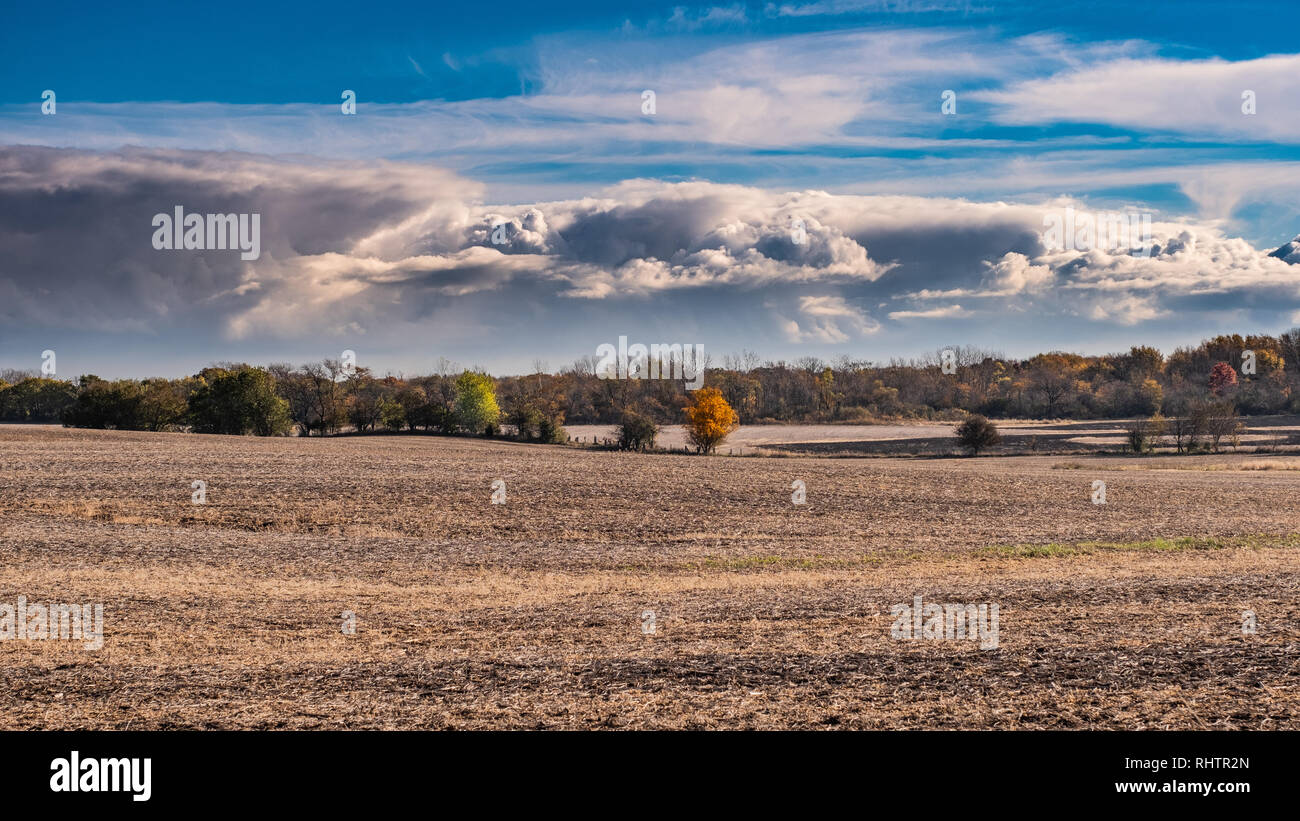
834 178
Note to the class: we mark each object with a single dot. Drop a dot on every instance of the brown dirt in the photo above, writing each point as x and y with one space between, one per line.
528 614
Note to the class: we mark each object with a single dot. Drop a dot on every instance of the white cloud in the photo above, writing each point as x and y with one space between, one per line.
1014 274
369 248
828 319
1126 310
1194 97
945 312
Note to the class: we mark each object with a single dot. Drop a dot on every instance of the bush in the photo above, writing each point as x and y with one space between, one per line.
709 419
527 421
551 429
535 424
977 433
433 415
636 432
1144 434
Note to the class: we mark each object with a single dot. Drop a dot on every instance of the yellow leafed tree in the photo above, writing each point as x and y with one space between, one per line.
709 419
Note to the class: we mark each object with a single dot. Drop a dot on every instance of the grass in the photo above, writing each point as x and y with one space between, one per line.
1064 549
1051 550
818 562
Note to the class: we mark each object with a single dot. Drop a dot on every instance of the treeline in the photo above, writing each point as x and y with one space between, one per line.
1251 375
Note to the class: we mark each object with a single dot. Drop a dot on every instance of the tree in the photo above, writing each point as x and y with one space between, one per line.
1222 378
551 429
365 398
476 403
238 400
527 421
977 433
127 404
392 415
1144 362
636 432
1186 432
1144 434
1221 421
324 399
1052 376
709 419
36 399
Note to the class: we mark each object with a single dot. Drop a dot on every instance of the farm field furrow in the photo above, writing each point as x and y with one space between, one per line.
531 614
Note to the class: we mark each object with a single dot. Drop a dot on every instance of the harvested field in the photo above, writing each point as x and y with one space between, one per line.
1019 436
529 614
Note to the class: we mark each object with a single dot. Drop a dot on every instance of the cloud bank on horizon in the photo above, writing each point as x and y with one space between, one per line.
796 189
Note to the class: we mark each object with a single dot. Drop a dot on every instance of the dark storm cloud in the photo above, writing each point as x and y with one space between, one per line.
363 249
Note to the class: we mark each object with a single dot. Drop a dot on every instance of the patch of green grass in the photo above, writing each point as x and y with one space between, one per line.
1063 549
1052 550
795 562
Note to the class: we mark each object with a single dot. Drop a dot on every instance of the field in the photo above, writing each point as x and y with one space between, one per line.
529 614
936 438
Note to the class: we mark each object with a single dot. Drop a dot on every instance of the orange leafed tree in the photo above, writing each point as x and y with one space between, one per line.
709 419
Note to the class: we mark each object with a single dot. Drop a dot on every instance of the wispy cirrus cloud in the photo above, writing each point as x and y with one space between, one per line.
1238 100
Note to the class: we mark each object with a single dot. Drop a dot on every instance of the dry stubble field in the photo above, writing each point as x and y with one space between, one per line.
528 614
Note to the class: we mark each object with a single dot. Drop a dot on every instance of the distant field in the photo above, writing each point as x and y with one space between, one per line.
936 438
529 614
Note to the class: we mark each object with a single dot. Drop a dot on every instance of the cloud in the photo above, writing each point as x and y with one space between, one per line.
1014 274
77 251
1125 310
394 250
829 8
1194 97
945 312
828 319
852 109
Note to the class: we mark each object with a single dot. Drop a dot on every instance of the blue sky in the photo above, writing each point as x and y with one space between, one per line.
674 226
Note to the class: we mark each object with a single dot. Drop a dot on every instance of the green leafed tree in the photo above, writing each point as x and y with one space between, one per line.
476 403
238 400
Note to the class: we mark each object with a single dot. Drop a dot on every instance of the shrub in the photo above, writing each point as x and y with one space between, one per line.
636 432
977 433
1144 434
551 429
709 419
536 424
527 421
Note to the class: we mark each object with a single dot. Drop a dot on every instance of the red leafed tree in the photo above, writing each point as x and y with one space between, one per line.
1222 377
